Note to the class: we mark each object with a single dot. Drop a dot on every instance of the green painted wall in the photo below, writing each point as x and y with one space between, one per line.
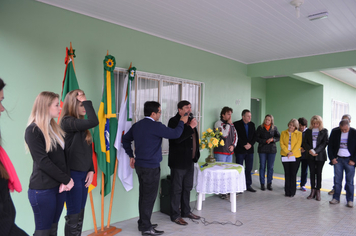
33 37
289 98
332 90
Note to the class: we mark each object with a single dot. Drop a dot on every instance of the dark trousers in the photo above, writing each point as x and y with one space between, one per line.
148 179
181 185
315 168
290 175
303 172
47 206
248 166
77 196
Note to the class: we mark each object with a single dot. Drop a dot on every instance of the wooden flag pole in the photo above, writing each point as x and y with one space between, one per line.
112 193
93 211
102 200
113 230
105 231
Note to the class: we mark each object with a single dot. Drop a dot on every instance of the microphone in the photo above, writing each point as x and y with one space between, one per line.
191 117
206 164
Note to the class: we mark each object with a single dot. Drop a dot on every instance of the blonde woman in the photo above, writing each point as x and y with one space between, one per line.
78 149
315 141
50 175
290 141
267 135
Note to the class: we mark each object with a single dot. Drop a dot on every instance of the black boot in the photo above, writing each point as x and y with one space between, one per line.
269 187
80 222
44 232
317 195
71 226
312 194
54 229
262 187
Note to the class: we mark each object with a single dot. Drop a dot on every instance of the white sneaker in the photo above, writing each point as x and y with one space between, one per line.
350 204
334 201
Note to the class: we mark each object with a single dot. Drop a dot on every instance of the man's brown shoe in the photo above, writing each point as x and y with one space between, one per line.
180 221
192 216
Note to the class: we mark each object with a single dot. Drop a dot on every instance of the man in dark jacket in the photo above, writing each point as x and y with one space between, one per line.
183 152
147 134
342 155
244 150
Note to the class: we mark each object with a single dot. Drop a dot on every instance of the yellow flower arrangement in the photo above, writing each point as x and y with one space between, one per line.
210 140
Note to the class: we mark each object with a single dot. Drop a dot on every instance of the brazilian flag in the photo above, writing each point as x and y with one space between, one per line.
105 132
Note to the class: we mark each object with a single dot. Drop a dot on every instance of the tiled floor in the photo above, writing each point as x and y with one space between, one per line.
261 213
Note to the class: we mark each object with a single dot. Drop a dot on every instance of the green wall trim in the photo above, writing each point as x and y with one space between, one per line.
288 67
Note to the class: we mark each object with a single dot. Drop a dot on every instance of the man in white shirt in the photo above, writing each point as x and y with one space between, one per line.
342 154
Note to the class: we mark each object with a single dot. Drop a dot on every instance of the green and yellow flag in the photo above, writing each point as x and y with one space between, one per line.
105 132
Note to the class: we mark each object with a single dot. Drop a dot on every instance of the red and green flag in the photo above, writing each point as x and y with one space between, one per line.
70 83
70 79
105 132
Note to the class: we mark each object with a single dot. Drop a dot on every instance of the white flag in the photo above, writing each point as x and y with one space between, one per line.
124 170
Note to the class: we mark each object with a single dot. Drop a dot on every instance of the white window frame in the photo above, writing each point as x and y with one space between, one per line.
338 109
160 79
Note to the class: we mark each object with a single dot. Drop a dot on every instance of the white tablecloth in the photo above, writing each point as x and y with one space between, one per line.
217 179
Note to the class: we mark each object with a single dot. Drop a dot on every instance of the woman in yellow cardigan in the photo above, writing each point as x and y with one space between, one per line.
290 141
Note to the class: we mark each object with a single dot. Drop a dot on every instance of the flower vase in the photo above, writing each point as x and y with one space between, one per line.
210 158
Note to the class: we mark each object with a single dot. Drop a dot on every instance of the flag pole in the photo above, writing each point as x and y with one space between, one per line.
112 194
107 231
93 211
102 201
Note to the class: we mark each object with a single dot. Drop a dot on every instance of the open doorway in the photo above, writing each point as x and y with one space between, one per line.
256 118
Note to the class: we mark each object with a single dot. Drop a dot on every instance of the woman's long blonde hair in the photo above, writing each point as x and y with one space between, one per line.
40 115
318 119
71 108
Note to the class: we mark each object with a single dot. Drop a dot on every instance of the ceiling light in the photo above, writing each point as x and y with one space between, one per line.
318 16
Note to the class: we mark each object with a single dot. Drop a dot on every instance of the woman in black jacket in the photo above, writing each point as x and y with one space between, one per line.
267 135
315 141
78 149
8 182
50 176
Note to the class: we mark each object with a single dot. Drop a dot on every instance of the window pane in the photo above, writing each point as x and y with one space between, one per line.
191 93
170 97
147 90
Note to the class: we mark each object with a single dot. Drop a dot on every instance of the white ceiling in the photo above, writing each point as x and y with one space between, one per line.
248 31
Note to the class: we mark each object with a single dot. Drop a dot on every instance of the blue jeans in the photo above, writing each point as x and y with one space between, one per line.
47 206
223 158
248 166
269 159
77 196
343 164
